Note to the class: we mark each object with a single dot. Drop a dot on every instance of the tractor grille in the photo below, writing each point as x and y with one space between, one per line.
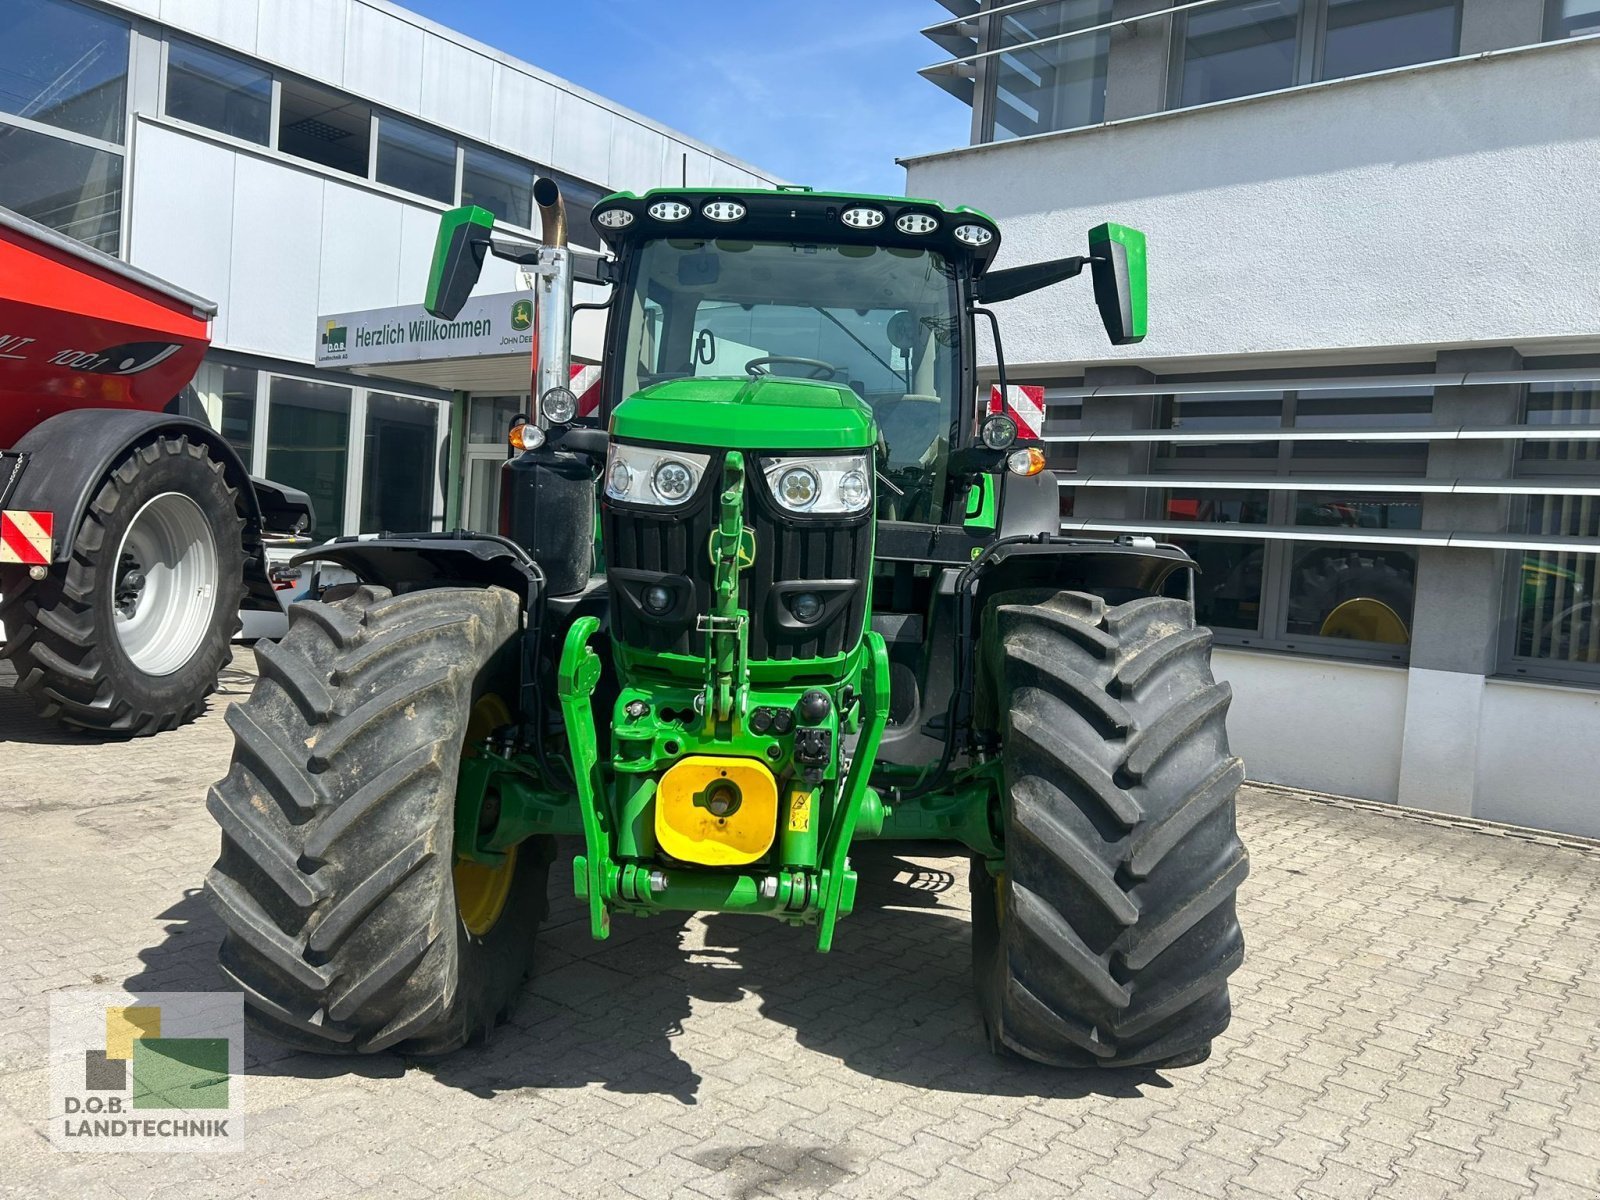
643 548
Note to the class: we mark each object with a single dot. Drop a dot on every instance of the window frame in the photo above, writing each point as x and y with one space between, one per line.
987 83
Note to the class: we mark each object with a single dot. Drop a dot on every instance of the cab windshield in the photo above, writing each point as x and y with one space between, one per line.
879 320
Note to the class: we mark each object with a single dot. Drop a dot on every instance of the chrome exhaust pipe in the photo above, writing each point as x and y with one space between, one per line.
553 311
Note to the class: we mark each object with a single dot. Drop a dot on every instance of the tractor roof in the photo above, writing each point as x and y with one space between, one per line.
798 214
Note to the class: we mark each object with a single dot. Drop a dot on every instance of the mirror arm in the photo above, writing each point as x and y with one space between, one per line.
1019 281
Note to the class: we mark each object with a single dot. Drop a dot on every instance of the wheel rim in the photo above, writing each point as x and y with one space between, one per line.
165 592
482 888
481 892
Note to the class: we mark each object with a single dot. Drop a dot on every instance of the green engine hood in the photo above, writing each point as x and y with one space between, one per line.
744 414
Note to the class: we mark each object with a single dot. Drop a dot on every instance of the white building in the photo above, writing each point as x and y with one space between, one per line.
289 159
1373 372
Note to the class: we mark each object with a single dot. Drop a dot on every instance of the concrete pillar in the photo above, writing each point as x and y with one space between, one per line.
1136 63
1500 24
1104 414
1456 619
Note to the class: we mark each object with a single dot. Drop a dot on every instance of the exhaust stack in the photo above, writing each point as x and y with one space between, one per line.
553 307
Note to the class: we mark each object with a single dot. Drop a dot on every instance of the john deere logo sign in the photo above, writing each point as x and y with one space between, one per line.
522 314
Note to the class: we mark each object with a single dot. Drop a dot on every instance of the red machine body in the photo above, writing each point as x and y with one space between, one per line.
80 329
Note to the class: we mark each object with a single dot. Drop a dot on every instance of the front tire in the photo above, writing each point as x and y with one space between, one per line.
1109 939
350 927
129 635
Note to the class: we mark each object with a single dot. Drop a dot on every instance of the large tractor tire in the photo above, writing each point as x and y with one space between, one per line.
129 635
350 925
1109 938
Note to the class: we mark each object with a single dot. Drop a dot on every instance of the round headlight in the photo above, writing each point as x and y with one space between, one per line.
862 217
559 405
806 606
915 222
998 431
797 488
853 490
672 480
657 599
620 481
669 210
724 210
615 218
974 235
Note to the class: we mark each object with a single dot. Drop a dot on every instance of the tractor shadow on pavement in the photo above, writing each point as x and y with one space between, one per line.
892 1000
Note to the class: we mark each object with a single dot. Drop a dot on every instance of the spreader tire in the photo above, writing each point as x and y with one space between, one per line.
129 635
337 882
1110 936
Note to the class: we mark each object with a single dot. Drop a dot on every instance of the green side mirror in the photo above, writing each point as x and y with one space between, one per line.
458 255
1121 288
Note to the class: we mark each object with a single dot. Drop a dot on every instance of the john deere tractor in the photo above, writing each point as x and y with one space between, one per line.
794 589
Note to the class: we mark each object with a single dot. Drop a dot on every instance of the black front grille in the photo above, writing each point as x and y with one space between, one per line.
644 548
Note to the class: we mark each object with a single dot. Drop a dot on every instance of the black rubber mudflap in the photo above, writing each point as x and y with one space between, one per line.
338 814
61 631
1110 939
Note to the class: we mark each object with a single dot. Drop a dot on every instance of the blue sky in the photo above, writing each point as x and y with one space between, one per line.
823 92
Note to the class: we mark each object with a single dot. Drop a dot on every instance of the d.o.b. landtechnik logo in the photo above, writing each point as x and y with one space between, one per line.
160 1071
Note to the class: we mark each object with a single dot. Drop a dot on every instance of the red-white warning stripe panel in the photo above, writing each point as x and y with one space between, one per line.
586 384
26 537
1024 404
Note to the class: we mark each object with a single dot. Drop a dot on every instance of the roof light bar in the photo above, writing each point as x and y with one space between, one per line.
669 210
724 210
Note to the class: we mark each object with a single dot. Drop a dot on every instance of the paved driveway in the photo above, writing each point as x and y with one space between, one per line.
1418 1015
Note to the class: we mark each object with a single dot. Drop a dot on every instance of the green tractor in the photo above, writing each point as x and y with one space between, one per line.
792 590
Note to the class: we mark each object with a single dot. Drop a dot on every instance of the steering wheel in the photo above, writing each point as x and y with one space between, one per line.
819 369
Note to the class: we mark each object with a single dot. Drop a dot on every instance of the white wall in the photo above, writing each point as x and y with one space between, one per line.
1446 204
1514 751
1314 723
1539 756
275 244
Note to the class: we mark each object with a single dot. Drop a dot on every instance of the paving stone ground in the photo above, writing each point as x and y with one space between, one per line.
1418 1015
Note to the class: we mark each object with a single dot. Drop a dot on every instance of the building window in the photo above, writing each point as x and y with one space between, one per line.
324 127
72 188
1057 85
1555 594
402 446
1377 35
238 415
415 159
1571 18
1238 49
308 443
1328 597
1246 47
64 65
219 92
501 184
